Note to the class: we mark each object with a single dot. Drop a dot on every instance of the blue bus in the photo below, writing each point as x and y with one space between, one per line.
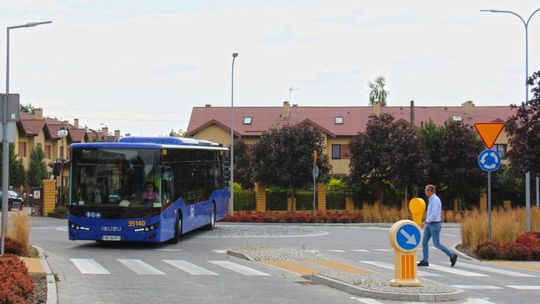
145 189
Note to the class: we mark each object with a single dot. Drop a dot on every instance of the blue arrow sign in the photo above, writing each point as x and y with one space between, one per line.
489 160
408 237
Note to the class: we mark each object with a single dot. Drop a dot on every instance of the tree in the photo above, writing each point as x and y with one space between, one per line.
431 136
386 155
377 92
37 171
284 157
523 130
27 108
16 169
461 178
243 167
179 133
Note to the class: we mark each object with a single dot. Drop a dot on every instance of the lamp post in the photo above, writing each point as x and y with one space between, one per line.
62 133
528 173
231 169
5 144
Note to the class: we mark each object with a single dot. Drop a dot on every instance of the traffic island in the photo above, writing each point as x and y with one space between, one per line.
313 266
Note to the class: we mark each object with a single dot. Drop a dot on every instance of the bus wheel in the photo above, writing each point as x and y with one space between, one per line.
177 229
212 218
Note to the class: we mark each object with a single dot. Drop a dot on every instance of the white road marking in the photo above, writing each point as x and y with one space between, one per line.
383 250
239 268
477 287
524 287
139 266
391 267
450 235
89 266
336 250
169 249
477 301
220 251
456 271
312 251
496 270
366 300
189 267
360 250
322 233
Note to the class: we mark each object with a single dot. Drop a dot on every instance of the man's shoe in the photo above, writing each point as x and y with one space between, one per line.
422 263
453 260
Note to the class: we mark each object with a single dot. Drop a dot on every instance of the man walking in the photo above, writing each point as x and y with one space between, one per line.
432 228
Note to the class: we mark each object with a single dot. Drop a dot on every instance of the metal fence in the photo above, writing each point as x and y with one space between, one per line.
244 200
276 199
335 200
304 200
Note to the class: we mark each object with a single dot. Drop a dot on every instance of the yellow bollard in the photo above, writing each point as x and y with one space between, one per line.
417 206
405 237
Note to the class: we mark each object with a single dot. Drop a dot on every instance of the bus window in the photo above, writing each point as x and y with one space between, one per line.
167 186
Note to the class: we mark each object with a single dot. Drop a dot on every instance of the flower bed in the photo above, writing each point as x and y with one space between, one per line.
294 217
524 248
16 285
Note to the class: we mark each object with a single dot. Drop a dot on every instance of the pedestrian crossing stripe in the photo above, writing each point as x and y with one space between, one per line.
391 267
496 270
456 271
90 266
479 287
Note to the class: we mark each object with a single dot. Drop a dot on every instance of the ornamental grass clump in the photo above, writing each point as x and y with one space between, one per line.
19 229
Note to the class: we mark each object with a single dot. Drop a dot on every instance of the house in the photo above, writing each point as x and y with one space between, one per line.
337 124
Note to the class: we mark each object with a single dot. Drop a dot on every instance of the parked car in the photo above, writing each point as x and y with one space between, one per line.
14 200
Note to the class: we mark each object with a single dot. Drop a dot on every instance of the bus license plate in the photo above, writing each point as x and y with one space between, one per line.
111 238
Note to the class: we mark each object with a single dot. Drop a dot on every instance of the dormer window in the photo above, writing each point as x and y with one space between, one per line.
338 120
248 120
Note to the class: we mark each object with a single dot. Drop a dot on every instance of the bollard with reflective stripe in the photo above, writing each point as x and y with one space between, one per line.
405 237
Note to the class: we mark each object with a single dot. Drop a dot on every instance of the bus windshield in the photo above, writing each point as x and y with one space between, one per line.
115 180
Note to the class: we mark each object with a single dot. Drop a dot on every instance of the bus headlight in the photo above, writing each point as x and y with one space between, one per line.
78 227
147 228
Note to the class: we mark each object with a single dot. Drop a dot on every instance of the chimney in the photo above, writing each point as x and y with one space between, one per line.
117 134
38 113
105 131
377 108
469 108
76 123
286 110
207 105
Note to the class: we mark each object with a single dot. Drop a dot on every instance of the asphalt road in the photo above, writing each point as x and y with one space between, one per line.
196 270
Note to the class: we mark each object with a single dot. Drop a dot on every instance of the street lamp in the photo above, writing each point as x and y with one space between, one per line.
231 169
62 133
5 143
527 174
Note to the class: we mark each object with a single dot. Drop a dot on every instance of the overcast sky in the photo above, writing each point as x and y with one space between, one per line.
140 65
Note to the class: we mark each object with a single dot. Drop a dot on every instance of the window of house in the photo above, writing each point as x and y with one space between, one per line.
48 151
336 151
338 120
248 120
22 149
501 149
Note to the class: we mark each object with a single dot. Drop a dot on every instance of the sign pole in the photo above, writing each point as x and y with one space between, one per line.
315 173
489 205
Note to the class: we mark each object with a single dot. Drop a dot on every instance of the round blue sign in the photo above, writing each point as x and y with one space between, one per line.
489 160
408 237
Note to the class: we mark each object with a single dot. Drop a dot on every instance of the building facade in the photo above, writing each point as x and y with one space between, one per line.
338 125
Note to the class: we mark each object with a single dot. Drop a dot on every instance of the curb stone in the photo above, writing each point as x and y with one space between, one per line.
384 295
464 255
52 297
240 255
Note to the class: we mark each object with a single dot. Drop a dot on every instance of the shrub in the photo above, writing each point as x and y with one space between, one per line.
489 250
13 246
16 285
294 217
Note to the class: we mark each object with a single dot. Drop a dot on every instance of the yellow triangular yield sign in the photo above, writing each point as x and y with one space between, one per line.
489 132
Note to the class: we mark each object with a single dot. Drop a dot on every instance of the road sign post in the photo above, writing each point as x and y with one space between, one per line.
315 173
489 161
405 237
